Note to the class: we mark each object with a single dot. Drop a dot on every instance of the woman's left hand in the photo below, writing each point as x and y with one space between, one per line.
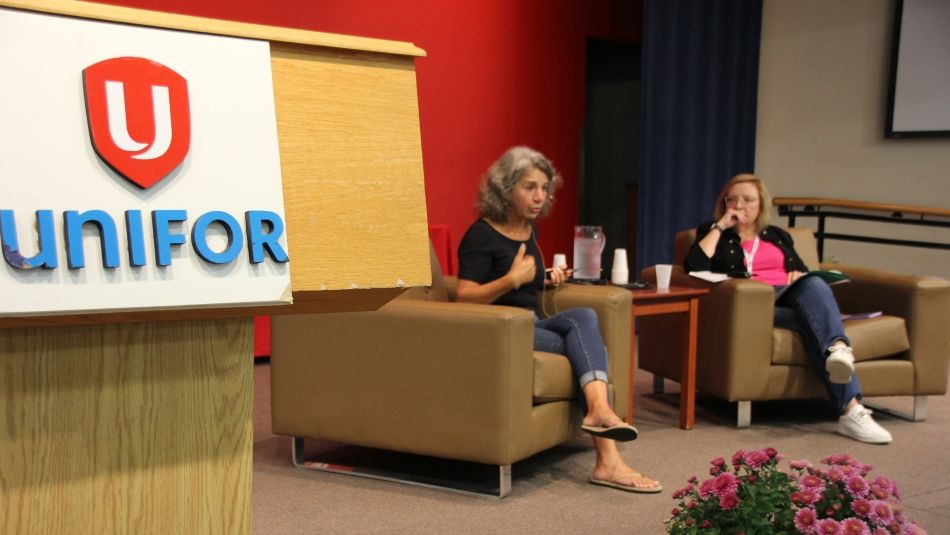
794 276
557 275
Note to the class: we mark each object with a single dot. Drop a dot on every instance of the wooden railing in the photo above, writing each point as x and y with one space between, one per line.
822 209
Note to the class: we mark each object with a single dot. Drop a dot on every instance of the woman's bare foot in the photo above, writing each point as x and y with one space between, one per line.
602 418
625 478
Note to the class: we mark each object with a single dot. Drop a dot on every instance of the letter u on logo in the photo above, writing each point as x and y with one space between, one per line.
139 118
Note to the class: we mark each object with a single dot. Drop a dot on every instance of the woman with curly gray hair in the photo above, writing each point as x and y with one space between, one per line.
498 263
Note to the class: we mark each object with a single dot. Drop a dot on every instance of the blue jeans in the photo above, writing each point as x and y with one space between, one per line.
809 308
576 334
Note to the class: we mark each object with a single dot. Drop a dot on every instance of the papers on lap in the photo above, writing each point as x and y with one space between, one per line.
709 276
829 276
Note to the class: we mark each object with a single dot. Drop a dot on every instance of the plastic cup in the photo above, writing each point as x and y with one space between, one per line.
663 273
560 260
619 274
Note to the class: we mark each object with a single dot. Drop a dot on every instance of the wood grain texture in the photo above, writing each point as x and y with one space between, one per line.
143 428
351 159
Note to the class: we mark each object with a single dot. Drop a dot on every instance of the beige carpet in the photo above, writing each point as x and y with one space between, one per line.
551 494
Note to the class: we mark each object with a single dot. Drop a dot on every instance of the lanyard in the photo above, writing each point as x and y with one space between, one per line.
750 255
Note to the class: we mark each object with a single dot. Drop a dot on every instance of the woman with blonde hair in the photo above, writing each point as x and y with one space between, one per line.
498 263
740 241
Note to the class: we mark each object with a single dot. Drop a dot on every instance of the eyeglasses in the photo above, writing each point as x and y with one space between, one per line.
733 200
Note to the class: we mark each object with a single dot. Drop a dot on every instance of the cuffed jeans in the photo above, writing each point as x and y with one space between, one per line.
809 308
576 334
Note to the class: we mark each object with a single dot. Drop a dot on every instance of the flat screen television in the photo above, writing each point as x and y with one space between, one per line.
919 97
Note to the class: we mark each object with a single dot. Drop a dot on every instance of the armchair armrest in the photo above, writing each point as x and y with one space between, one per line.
614 312
735 333
445 379
734 338
923 302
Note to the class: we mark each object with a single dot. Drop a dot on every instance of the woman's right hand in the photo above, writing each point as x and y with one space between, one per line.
731 218
523 269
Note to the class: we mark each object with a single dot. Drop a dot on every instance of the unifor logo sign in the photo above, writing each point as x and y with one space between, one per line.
138 116
140 169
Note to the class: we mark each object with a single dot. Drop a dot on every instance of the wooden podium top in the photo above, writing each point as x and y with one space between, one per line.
351 163
141 17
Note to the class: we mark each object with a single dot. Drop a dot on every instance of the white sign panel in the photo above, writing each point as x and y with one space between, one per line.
139 167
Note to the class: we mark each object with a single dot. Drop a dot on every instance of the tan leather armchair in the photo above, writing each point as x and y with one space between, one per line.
904 352
429 376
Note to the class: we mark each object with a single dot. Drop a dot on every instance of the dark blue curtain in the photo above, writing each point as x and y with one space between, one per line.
700 72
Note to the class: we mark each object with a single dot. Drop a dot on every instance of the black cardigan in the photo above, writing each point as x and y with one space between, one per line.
729 256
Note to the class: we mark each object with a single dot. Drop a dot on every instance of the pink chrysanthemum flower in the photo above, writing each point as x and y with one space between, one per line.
854 526
828 526
879 492
880 531
883 481
800 465
856 486
718 461
806 520
834 474
729 501
679 493
881 512
808 496
861 507
847 471
737 459
706 488
755 459
725 484
811 482
840 459
771 452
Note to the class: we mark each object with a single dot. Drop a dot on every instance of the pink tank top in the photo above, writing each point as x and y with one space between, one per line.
768 262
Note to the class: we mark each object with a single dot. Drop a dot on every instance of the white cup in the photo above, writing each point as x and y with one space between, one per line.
663 272
619 274
560 260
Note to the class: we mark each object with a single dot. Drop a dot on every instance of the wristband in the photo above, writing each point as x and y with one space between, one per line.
719 228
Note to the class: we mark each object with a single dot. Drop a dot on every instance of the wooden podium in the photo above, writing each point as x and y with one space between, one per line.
141 422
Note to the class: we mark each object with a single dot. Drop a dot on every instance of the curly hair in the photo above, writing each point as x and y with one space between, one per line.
765 201
494 190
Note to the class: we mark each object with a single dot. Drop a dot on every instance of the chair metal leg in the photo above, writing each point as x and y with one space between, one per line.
474 486
744 414
920 408
917 414
658 386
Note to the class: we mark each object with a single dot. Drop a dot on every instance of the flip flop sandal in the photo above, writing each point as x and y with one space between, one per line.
621 432
615 484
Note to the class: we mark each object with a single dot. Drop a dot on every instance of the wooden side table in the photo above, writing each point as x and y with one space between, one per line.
675 300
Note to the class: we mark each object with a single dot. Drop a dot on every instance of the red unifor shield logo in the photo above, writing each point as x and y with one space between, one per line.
138 116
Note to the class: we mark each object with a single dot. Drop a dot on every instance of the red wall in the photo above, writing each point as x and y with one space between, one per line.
498 73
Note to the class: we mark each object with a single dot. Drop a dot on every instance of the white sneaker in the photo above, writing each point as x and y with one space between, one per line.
840 365
858 424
